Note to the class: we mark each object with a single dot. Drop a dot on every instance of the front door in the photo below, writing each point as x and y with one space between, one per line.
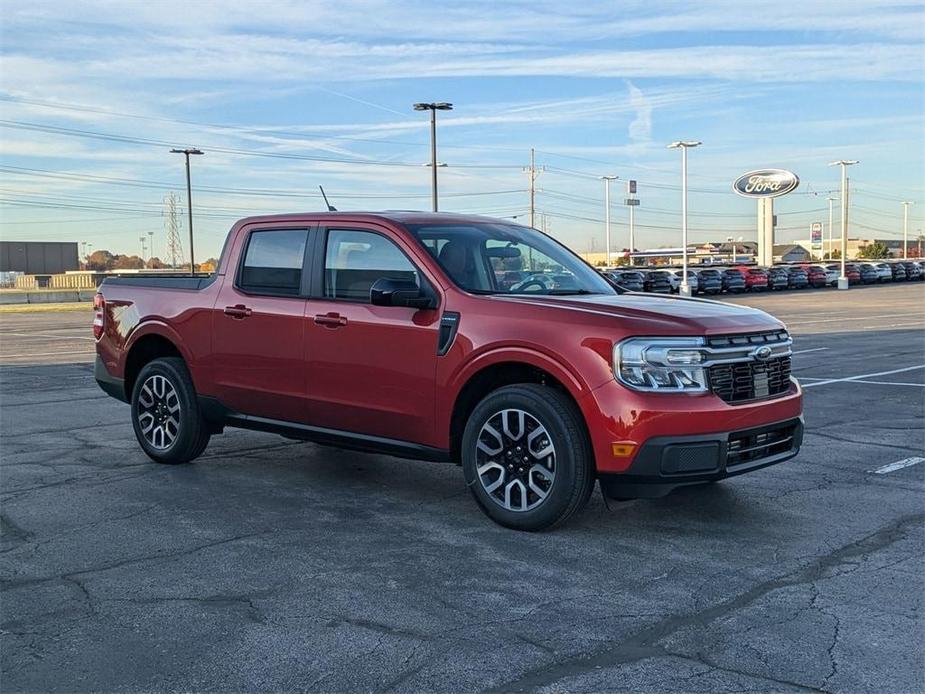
259 327
371 369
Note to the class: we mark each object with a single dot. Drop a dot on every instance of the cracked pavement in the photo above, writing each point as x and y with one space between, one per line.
285 566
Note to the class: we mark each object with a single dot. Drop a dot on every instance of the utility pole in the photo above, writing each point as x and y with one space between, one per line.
433 108
533 172
150 245
906 230
844 164
142 239
831 200
189 202
631 201
607 180
685 289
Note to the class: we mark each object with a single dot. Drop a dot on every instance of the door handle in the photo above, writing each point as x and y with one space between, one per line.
331 320
238 311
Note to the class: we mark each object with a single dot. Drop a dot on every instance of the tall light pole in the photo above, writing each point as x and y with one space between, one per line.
684 145
433 108
906 230
142 239
189 203
831 200
150 245
844 164
607 180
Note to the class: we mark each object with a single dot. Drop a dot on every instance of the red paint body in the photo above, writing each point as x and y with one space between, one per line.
379 373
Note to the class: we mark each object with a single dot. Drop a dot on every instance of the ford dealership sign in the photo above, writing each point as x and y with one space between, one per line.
766 183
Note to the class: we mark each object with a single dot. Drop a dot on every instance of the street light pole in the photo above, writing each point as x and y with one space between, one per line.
684 289
433 108
906 230
844 164
189 203
831 200
607 180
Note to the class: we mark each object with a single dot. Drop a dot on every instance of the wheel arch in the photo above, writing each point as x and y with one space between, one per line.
503 369
145 346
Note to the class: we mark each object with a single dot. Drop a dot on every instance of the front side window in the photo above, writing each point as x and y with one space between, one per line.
356 259
273 262
493 258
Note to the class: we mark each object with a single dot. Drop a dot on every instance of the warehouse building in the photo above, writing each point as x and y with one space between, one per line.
38 257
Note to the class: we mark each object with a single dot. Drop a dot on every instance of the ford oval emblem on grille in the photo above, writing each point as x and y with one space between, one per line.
762 353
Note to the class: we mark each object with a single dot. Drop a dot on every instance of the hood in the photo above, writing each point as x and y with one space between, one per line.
643 313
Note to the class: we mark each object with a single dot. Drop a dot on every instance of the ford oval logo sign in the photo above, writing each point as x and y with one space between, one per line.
766 183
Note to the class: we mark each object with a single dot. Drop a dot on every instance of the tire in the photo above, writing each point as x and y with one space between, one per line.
165 413
510 499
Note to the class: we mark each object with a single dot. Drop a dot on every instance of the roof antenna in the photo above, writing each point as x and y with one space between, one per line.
331 207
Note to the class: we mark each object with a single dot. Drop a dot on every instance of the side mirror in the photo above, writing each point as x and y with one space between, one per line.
394 292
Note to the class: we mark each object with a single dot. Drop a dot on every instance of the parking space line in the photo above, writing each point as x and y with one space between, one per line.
898 465
43 354
862 376
891 383
807 351
50 336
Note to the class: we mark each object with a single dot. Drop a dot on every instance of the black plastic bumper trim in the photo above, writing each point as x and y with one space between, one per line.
112 386
646 477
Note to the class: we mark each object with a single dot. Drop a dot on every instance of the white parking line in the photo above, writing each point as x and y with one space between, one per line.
43 354
891 383
898 465
862 376
50 336
807 351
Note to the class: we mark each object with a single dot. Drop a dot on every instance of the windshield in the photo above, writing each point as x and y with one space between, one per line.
487 258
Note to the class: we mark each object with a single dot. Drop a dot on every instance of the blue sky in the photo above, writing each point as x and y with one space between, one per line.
285 95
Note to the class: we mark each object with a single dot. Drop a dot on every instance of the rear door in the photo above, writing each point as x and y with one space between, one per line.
259 325
371 369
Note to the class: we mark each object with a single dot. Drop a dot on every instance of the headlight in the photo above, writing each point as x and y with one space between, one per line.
665 364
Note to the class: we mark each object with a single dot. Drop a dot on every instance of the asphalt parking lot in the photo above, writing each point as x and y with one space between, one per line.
278 566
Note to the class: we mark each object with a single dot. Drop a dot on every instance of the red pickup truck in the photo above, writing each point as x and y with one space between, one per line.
450 338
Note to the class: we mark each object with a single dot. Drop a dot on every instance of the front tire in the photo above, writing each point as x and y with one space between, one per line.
165 413
526 457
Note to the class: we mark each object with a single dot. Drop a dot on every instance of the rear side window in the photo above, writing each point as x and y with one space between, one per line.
273 262
354 260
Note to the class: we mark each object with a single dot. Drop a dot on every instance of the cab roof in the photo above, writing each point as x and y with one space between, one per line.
400 216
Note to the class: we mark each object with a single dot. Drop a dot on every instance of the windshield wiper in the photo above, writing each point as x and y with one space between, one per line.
569 292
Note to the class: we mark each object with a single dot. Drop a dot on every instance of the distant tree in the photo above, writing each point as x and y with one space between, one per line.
874 251
155 263
833 255
208 265
127 262
100 261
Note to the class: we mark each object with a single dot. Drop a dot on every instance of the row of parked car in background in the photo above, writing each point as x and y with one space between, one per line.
742 278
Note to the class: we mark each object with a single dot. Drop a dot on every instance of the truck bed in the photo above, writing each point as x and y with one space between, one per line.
161 282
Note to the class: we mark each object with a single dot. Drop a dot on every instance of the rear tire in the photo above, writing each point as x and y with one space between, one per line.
165 413
526 457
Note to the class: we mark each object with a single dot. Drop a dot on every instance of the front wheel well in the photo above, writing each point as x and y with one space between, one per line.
490 379
146 349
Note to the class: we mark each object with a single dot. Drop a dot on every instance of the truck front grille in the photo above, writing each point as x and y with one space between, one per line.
750 380
738 375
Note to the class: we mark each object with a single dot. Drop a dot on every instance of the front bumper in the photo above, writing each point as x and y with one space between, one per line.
666 462
616 415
